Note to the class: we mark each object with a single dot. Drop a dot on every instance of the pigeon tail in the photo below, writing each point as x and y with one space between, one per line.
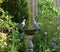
38 30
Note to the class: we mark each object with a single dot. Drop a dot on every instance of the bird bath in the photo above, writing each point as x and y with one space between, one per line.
29 35
29 27
29 31
32 27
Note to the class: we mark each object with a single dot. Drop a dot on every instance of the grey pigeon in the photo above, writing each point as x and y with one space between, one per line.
22 24
35 25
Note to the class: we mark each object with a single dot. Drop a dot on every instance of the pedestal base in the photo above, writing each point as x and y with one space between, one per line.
29 43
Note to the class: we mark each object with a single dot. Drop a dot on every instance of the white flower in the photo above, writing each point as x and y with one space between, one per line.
7 16
45 33
2 46
2 20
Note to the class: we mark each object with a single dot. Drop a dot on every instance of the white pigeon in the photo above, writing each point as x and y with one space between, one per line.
21 26
35 25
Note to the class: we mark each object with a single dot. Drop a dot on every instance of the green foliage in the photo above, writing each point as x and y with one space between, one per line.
6 22
1 1
3 43
36 42
17 43
47 9
17 8
21 9
13 44
47 20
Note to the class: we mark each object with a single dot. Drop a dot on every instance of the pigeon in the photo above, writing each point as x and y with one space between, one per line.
35 25
21 26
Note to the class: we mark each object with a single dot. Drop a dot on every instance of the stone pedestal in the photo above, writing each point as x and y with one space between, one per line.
29 35
29 44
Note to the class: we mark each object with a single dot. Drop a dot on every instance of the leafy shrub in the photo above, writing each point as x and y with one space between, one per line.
16 41
16 8
49 34
1 1
3 43
6 22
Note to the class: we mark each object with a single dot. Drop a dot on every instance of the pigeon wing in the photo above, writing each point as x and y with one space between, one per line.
20 26
36 26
